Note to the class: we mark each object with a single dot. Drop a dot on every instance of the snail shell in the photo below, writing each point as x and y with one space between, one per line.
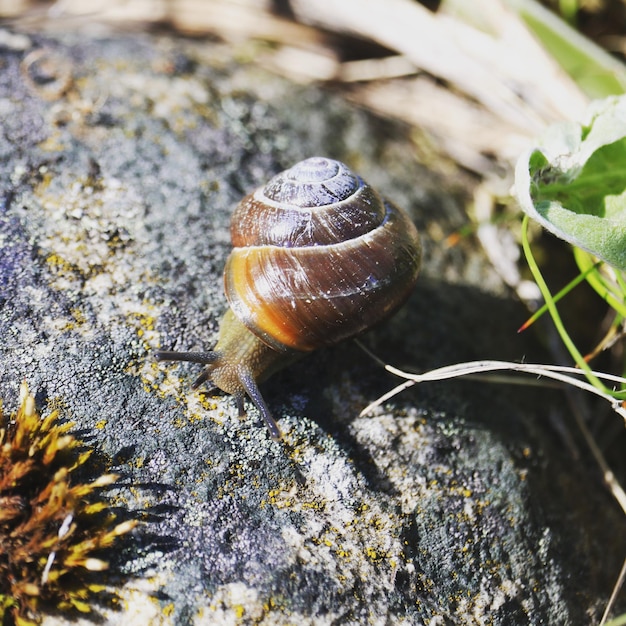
318 257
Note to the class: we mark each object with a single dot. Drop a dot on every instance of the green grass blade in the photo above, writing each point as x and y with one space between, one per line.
596 72
545 291
612 294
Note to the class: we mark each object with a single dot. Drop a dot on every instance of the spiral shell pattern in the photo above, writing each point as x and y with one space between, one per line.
318 257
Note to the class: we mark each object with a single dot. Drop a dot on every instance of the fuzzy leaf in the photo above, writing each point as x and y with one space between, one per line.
574 182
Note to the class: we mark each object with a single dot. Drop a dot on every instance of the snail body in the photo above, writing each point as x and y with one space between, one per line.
318 257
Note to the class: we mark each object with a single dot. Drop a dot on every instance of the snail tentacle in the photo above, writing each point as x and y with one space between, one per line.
204 358
245 381
249 384
237 363
205 376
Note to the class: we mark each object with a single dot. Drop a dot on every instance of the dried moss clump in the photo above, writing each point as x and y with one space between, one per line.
52 527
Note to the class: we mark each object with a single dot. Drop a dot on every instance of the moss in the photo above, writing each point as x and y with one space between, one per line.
54 528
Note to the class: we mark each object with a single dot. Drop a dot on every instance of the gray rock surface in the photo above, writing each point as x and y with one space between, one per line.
121 159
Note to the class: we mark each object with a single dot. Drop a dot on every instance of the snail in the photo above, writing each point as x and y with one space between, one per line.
318 257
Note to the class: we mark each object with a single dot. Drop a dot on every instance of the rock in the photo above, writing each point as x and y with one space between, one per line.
122 158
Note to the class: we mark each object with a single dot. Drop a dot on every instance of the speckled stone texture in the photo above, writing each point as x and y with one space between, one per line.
121 159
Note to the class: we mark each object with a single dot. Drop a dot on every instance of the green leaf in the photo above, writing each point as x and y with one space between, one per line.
574 182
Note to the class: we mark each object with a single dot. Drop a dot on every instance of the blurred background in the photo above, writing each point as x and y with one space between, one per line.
475 80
